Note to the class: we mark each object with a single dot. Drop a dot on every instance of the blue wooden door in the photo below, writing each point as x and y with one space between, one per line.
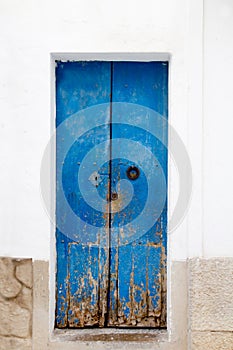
111 193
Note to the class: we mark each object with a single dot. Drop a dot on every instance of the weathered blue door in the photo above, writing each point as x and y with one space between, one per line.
111 197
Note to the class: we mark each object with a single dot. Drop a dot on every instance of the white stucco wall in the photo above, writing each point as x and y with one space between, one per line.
218 125
197 36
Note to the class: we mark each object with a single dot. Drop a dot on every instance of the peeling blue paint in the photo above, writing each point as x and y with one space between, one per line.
113 282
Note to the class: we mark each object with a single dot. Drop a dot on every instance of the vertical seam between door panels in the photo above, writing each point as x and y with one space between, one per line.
109 196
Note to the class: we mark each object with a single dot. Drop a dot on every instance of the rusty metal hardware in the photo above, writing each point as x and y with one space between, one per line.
114 196
133 172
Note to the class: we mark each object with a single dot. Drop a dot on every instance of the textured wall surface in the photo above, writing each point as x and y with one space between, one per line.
15 304
212 341
211 303
97 28
45 338
209 313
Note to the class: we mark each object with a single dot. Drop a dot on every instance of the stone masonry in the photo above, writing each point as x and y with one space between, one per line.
211 303
209 310
15 304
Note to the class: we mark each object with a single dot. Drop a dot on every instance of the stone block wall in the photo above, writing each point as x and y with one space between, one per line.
15 304
211 304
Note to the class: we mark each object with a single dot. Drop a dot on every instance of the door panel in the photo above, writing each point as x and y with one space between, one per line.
111 263
136 268
82 267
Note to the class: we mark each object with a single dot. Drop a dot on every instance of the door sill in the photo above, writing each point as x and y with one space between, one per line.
110 335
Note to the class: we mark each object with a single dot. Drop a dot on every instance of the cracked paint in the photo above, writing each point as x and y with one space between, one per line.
107 283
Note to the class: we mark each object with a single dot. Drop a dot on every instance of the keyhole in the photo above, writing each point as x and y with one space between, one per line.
114 196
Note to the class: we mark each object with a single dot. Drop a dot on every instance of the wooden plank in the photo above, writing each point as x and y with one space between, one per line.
136 292
86 300
81 266
137 267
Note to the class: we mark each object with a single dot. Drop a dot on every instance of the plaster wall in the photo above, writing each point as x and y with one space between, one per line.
34 30
217 128
196 35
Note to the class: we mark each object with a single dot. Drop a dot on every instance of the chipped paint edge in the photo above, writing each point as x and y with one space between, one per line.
175 333
174 338
98 56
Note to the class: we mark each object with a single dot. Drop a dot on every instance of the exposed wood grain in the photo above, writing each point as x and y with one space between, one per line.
107 283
